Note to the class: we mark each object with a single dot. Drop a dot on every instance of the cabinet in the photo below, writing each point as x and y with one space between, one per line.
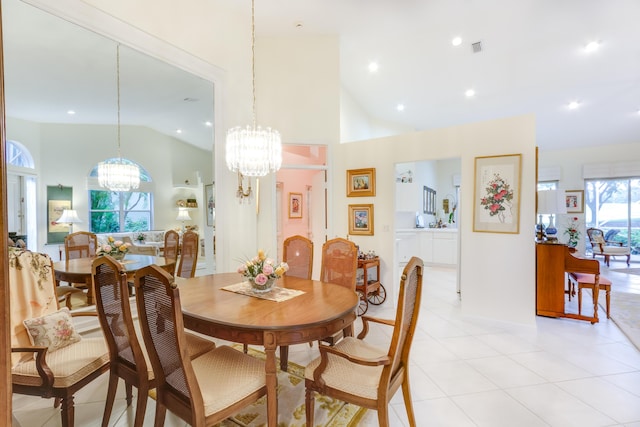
439 246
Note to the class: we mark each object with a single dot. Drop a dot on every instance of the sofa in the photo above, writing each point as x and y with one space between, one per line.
153 242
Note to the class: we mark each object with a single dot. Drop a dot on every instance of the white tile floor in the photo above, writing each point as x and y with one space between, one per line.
465 373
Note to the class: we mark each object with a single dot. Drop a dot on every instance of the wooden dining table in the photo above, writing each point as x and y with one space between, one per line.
321 310
79 270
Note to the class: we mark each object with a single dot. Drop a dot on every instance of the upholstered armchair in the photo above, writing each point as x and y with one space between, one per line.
606 248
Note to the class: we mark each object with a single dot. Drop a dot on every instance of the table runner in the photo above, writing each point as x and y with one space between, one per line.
276 293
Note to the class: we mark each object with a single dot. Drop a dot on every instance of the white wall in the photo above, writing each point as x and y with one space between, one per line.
489 261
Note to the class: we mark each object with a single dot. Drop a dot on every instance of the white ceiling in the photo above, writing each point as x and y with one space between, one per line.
532 61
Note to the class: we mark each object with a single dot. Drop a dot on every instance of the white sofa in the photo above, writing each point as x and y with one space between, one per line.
153 243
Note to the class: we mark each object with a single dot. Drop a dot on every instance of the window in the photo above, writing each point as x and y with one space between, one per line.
120 211
547 185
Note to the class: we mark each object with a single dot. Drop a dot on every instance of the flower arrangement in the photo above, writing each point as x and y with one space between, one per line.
113 247
573 231
262 271
499 193
140 237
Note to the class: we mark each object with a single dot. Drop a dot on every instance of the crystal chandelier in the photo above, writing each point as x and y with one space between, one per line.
253 151
118 174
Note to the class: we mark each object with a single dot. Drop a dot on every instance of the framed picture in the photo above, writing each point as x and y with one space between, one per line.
428 200
361 182
295 205
575 201
210 201
361 219
496 199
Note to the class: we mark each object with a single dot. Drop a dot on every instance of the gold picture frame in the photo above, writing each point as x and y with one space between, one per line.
361 182
361 220
496 200
575 201
295 205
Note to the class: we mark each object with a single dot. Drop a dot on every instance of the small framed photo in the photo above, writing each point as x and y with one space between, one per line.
575 201
496 200
295 205
361 182
361 220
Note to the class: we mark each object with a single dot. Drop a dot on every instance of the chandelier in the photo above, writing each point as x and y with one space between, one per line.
118 174
253 151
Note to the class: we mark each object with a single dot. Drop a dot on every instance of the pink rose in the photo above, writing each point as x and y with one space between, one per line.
242 269
494 207
267 269
261 279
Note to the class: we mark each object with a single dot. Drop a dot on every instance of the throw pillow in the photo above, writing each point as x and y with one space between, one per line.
598 239
54 330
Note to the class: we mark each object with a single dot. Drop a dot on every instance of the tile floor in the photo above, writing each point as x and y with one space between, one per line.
466 372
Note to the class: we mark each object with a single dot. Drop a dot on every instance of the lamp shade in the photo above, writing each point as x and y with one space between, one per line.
183 215
69 216
552 202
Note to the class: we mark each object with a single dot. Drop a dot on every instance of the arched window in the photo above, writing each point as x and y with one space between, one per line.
18 155
120 211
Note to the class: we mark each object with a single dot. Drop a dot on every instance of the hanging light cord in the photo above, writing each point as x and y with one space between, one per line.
118 87
253 59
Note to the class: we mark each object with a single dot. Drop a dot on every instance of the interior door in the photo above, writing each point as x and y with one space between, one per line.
15 203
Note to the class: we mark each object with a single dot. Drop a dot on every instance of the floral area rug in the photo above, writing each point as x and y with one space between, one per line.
291 409
625 312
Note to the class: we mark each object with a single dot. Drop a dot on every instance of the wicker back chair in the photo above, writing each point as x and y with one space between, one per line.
339 262
171 244
80 244
298 253
374 374
38 370
188 254
206 390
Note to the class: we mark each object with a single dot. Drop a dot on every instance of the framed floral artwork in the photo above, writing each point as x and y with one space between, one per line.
575 201
496 200
361 219
361 182
295 205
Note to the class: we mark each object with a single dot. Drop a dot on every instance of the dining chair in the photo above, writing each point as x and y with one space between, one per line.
171 245
129 360
202 391
188 254
357 372
297 252
49 358
339 265
607 248
81 244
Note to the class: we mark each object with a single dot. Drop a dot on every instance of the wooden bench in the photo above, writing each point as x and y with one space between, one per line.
595 282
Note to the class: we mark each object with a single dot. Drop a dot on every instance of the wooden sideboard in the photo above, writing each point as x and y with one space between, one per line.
553 261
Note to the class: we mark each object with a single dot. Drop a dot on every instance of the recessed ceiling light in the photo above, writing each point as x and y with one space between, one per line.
71 112
208 124
373 67
457 41
573 105
400 107
592 46
469 93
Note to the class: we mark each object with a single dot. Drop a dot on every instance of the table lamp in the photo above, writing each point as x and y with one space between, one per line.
183 215
69 216
551 202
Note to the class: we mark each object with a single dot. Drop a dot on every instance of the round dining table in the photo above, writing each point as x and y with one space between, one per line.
78 271
318 311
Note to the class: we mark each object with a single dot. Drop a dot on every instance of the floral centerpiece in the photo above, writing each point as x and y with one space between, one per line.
116 248
262 271
140 237
573 231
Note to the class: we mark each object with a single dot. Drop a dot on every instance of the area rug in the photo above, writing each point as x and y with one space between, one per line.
625 313
291 409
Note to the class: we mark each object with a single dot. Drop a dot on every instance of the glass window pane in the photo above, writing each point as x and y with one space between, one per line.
104 200
137 221
136 201
105 222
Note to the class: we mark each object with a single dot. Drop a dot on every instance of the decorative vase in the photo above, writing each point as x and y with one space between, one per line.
262 288
119 256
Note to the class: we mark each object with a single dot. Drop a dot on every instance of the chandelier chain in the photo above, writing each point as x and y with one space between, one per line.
118 94
253 60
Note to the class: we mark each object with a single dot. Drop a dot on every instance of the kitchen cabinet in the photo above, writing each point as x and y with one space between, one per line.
439 246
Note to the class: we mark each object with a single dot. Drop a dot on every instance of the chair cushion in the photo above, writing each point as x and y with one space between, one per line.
615 250
226 376
598 239
347 376
54 330
589 278
69 364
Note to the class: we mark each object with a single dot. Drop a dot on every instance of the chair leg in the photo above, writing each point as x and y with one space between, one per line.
309 403
161 412
67 410
129 393
284 357
406 395
579 299
383 415
628 259
111 396
608 297
141 407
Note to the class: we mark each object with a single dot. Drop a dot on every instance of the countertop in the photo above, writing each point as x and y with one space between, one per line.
418 230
